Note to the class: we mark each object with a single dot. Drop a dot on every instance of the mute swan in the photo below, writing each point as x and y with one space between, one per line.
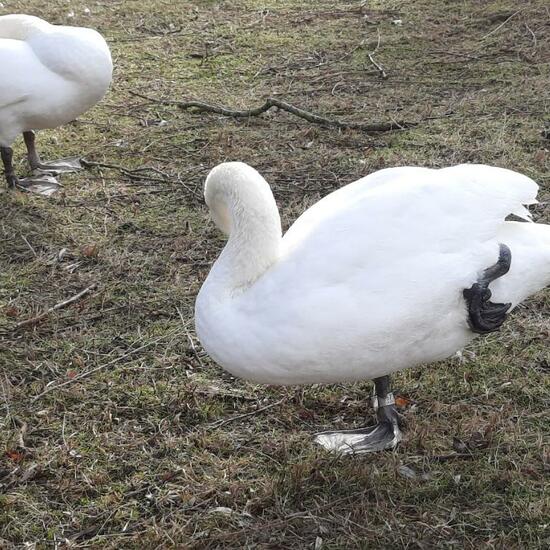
383 274
49 75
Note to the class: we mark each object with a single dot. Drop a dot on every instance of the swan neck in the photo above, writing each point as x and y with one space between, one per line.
248 212
251 250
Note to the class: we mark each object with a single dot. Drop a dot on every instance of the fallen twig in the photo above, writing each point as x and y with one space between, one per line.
501 25
140 174
220 423
87 373
451 456
60 305
378 67
270 102
318 513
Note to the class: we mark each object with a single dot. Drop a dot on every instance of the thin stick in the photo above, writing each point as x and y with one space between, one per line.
220 423
270 102
87 373
60 305
501 25
378 67
29 245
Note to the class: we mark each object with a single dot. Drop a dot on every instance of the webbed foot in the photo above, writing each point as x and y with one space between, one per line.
41 184
61 166
485 316
385 435
12 181
51 168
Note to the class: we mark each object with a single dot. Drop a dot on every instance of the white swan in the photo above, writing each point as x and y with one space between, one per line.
383 274
49 75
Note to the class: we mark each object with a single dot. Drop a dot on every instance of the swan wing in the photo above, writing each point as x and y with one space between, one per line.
74 53
21 27
408 211
371 277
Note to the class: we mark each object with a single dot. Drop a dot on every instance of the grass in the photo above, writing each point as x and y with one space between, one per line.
146 445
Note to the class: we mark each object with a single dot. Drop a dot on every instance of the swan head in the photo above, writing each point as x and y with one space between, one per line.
242 206
234 190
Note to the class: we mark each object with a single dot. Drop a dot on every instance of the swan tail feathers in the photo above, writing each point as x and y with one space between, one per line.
530 267
19 26
508 191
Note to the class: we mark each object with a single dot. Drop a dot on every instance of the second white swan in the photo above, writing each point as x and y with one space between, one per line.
49 75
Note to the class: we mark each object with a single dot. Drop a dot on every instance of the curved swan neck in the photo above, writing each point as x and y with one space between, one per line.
242 205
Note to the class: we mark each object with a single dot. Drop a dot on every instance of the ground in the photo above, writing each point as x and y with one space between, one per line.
117 431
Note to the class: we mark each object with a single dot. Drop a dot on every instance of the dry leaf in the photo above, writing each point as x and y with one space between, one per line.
90 250
402 402
11 311
77 361
14 455
407 472
540 156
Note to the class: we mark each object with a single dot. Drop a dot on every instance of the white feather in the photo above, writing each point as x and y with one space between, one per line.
367 281
49 74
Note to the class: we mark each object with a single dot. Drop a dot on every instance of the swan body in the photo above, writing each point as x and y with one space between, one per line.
49 74
367 281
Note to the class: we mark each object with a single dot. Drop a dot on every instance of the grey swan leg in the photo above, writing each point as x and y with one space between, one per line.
385 435
51 168
7 160
485 316
41 182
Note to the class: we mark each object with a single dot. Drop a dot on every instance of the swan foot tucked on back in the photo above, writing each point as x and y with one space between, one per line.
485 316
384 435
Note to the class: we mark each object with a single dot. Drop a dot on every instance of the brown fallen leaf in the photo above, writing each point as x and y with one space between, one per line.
90 250
402 402
14 455
11 311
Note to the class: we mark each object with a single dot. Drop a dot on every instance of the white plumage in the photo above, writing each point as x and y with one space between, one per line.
49 74
369 280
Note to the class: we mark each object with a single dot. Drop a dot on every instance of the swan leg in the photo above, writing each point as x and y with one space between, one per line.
485 316
385 435
7 160
50 168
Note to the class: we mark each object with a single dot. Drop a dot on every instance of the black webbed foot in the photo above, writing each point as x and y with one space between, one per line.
485 316
12 181
384 435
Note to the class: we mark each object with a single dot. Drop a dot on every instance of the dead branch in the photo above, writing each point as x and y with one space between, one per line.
89 372
60 305
270 102
378 67
220 423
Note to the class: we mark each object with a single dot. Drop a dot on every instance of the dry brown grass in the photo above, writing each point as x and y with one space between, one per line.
139 453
